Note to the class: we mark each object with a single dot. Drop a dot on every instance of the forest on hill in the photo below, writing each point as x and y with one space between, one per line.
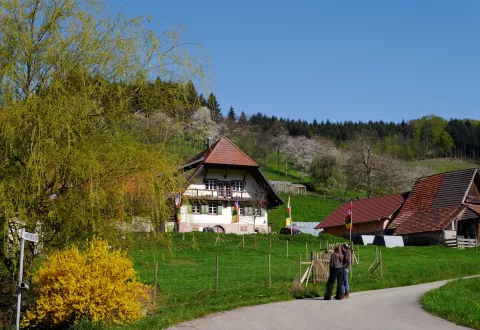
427 137
370 157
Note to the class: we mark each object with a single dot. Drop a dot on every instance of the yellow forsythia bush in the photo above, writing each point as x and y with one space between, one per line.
98 284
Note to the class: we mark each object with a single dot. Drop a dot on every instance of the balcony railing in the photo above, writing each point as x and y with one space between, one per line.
223 195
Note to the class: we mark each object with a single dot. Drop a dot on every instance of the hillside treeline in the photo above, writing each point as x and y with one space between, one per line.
427 137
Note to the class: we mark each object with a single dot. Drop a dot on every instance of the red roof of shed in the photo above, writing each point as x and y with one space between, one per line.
433 203
364 210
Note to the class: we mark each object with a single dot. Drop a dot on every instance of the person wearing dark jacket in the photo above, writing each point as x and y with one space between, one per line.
346 265
336 273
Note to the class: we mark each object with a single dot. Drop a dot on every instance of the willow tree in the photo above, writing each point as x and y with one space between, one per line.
71 164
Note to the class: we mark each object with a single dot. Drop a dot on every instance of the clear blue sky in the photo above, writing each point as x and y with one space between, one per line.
338 60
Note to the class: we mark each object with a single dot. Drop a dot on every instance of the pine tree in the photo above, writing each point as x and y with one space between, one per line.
214 107
201 100
231 114
243 120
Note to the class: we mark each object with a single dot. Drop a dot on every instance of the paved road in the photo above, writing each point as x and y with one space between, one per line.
396 308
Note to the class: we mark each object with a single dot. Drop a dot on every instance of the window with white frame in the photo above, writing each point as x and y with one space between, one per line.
237 185
213 209
241 210
196 208
257 211
211 184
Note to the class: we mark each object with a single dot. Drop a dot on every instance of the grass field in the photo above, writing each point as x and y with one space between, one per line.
187 269
457 301
439 165
308 208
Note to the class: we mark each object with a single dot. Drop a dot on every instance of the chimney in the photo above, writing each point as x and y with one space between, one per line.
208 143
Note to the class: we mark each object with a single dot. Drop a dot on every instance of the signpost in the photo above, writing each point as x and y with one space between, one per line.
21 285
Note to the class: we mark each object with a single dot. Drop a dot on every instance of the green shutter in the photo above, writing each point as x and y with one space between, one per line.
248 210
189 209
204 209
262 211
219 209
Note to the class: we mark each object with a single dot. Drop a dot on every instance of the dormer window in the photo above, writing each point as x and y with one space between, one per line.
211 184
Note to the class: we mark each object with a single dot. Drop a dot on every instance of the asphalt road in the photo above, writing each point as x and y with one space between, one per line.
396 308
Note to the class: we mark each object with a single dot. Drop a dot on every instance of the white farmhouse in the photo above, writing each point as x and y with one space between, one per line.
216 178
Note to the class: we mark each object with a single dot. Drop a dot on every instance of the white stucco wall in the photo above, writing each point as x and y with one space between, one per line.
196 192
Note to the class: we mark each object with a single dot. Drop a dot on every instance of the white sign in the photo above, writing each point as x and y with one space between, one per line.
30 237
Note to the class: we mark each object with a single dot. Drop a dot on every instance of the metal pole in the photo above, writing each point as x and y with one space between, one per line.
20 278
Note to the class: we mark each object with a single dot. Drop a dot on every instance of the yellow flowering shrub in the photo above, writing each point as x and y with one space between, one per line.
98 284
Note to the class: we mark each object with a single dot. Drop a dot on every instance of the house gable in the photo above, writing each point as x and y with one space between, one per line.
225 156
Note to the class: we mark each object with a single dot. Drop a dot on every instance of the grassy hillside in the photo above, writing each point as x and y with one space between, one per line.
439 165
309 208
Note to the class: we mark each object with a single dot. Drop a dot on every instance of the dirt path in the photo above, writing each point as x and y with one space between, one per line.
396 308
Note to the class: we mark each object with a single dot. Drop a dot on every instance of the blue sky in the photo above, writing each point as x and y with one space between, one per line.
338 60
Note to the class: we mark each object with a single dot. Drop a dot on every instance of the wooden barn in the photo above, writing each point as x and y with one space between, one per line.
369 216
440 209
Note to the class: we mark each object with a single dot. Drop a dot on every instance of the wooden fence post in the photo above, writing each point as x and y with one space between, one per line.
381 264
243 241
216 278
306 250
287 248
270 245
300 267
269 273
155 285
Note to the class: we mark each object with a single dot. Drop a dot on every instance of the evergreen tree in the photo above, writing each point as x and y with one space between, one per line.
231 114
214 107
243 120
202 102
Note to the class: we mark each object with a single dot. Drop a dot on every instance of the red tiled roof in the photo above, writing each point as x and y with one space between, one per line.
474 207
364 210
433 203
425 221
224 152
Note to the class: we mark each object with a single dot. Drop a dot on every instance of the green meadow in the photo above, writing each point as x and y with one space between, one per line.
456 301
187 271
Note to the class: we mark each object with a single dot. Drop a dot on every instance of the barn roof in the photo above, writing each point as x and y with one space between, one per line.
365 210
434 202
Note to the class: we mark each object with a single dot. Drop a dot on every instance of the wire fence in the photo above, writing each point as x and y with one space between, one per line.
227 262
193 265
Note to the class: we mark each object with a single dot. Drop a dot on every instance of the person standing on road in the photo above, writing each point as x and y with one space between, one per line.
336 273
346 265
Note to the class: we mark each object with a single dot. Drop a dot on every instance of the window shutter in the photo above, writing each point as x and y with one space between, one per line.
219 209
204 209
262 212
189 208
248 210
